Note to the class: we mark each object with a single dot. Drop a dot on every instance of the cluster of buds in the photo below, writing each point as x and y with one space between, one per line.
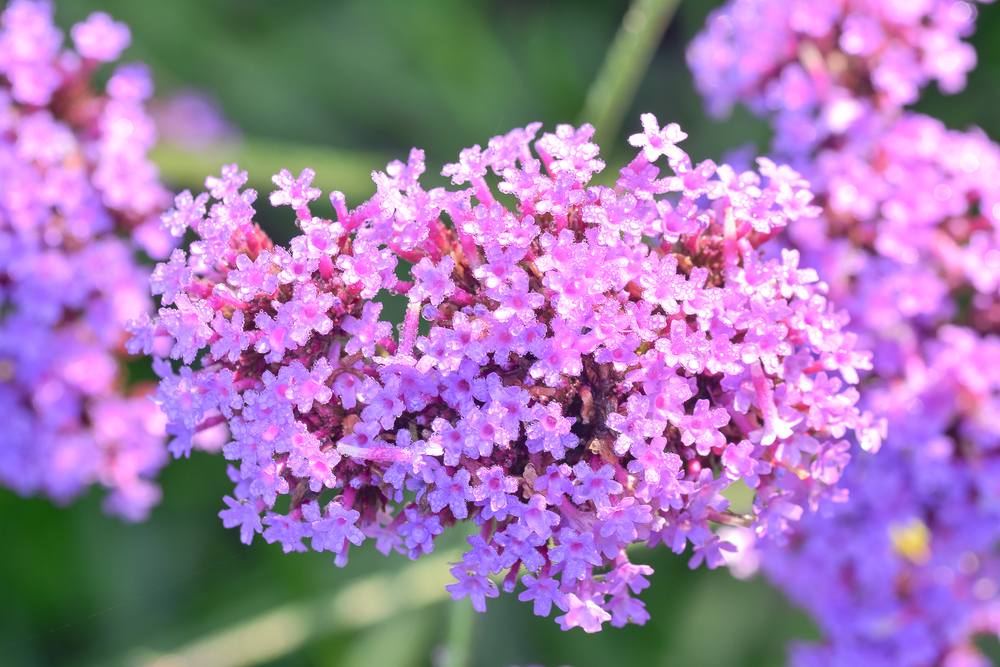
583 372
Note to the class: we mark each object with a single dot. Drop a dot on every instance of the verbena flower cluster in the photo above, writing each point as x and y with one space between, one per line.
817 66
566 386
77 197
906 573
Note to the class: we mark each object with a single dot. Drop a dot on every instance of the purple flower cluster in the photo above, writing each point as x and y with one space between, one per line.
818 66
77 196
906 572
568 387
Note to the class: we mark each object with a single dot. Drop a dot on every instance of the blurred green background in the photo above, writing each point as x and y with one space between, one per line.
346 86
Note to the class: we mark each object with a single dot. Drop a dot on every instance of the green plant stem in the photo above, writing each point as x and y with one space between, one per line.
461 628
628 57
346 171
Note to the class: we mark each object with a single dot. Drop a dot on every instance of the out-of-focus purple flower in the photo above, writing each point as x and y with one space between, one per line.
805 61
77 197
905 572
193 119
100 37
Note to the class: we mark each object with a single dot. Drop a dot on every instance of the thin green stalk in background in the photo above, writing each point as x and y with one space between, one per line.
347 171
628 57
461 628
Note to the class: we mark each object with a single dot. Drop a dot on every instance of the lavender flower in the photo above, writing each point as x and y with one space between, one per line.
906 572
561 400
77 196
822 66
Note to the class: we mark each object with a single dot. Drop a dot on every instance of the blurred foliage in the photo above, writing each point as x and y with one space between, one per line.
339 82
79 588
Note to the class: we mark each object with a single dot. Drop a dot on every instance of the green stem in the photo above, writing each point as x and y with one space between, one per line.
347 171
461 628
628 57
